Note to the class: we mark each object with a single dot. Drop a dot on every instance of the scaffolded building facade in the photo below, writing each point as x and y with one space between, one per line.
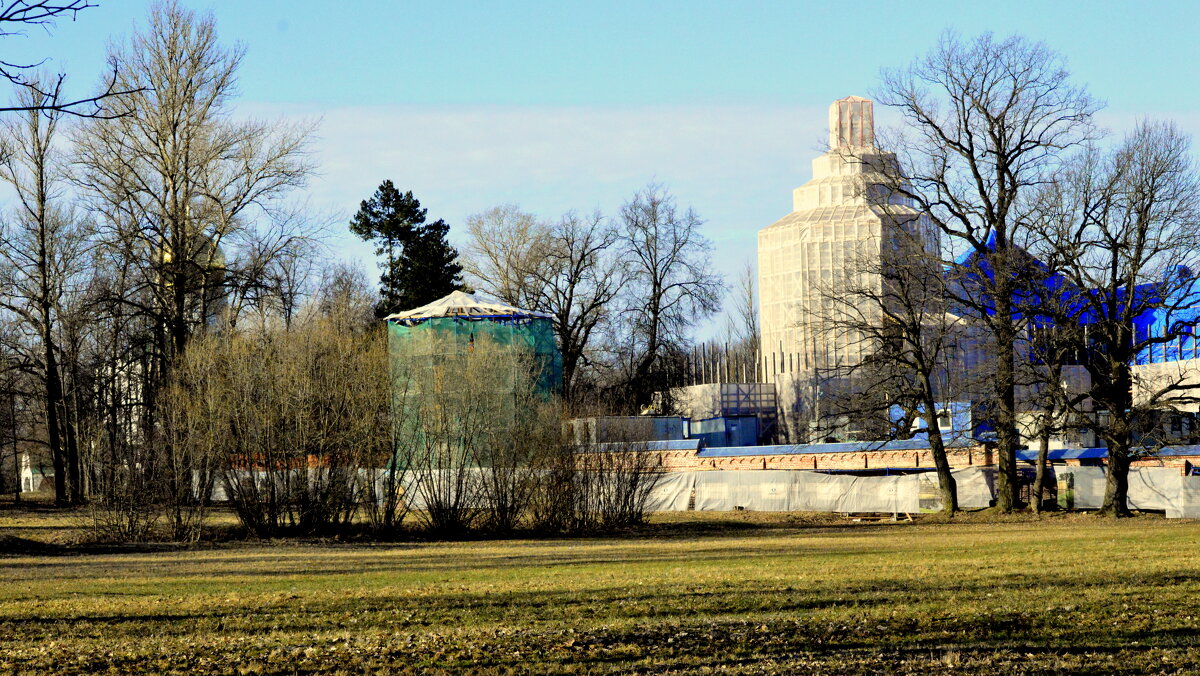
837 222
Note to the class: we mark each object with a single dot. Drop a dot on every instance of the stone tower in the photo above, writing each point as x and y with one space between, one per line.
799 256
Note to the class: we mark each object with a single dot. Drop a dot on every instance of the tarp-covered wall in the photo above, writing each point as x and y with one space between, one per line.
806 491
1150 488
671 493
1187 502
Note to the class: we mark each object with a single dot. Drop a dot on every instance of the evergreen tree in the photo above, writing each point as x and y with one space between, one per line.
428 266
420 265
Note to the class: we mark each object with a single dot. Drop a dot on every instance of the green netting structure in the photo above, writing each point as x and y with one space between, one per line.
461 367
446 332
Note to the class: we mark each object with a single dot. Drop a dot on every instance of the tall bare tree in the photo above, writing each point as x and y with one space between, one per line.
985 122
505 245
741 324
1124 225
568 268
892 300
42 251
671 287
176 181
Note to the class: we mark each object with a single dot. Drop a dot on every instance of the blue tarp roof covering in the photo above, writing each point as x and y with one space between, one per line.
1102 453
849 447
1065 454
669 445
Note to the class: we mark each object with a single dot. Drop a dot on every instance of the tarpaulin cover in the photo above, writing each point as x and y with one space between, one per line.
1150 488
1153 488
1085 486
671 493
1187 502
975 487
796 490
806 491
815 492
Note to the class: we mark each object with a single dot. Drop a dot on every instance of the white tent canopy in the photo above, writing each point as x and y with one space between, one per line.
460 304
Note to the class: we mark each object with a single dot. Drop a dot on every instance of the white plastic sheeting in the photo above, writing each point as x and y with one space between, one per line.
461 304
816 492
806 491
671 493
975 488
1086 486
1150 488
1153 488
757 490
1187 501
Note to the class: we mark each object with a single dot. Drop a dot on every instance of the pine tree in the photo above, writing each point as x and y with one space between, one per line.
420 265
428 267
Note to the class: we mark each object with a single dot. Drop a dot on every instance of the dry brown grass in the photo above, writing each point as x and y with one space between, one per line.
740 592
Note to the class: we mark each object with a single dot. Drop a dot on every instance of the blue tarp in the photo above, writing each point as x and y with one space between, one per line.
848 447
1102 453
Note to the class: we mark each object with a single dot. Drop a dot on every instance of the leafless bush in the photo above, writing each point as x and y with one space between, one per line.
292 418
614 484
127 508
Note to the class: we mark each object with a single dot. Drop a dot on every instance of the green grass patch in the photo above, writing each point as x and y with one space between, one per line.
694 593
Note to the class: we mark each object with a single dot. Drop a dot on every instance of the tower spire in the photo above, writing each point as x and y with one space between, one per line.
852 123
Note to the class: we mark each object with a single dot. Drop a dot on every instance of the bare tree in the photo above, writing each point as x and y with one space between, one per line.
43 254
579 279
176 182
985 123
892 300
1049 352
505 246
671 286
39 93
741 324
1124 225
568 268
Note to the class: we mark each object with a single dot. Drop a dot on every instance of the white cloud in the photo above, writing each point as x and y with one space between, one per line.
736 165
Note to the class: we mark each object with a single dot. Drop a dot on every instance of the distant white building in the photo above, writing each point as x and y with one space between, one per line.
35 476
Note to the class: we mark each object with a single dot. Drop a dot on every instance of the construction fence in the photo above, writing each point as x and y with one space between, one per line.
1150 488
806 491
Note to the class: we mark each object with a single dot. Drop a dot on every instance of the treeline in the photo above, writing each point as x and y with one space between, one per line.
133 230
303 430
169 333
624 292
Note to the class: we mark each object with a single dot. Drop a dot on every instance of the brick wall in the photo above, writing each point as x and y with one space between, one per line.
678 461
687 460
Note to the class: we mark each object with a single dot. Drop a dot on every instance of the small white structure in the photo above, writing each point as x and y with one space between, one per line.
35 476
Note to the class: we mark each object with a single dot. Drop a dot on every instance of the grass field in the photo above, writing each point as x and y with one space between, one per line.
742 592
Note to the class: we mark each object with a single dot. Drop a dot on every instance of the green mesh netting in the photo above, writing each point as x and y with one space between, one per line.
452 375
440 339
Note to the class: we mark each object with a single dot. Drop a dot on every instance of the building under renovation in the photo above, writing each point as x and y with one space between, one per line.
461 354
832 226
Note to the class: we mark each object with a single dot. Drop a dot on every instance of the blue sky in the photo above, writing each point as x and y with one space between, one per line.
575 105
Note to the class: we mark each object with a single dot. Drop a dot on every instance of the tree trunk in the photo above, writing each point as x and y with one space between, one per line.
1116 488
937 448
1039 478
1005 388
53 397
